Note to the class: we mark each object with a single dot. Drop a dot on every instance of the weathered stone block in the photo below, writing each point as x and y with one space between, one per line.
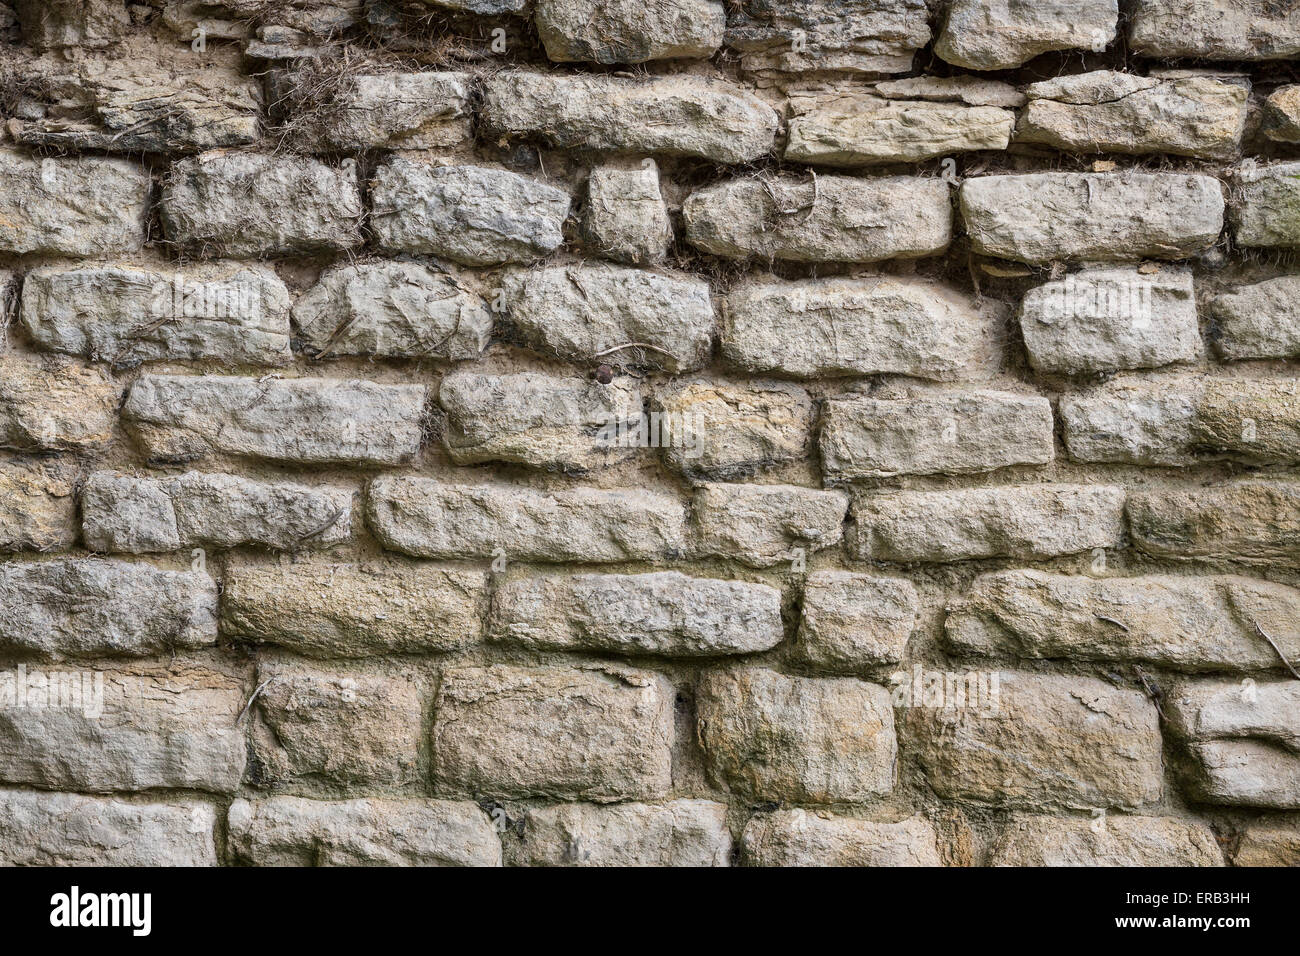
626 218
590 312
1029 522
1180 623
800 838
1002 34
426 110
1043 217
935 433
55 24
71 829
341 421
431 519
1032 840
589 733
63 406
172 727
394 310
629 31
1271 841
664 613
834 219
854 621
126 315
1250 521
38 510
470 214
247 205
356 610
797 739
291 831
814 328
1103 320
677 833
1051 740
1266 213
85 607
1214 29
766 525
669 115
1258 321
1282 115
84 206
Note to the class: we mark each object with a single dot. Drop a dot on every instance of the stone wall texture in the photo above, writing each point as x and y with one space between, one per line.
650 432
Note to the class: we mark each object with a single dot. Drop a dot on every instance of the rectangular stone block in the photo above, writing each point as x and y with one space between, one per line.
1033 840
340 610
1258 321
815 328
72 829
1104 320
1108 217
629 31
123 513
1028 522
38 509
376 831
308 420
935 433
85 206
88 607
1214 29
1282 115
766 525
1003 34
245 205
425 110
63 406
1270 841
1266 211
626 218
431 519
590 733
669 115
125 315
797 739
677 833
1050 741
851 622
1248 521
474 215
158 727
1175 622
834 219
664 613
351 727
800 838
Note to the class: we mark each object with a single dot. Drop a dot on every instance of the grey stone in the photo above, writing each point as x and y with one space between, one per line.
482 7
1043 217
82 206
1266 212
665 613
246 205
629 31
586 312
86 607
55 24
855 129
376 831
766 525
392 309
1103 320
831 219
1214 29
1282 115
312 421
935 433
341 610
801 838
814 328
1048 741
62 406
426 110
1029 522
963 88
1109 112
123 314
1033 840
1258 321
1179 623
626 218
432 519
669 115
470 214
143 515
1249 521
588 733
38 509
71 829
160 727
1002 34
677 833
799 739
561 423
851 622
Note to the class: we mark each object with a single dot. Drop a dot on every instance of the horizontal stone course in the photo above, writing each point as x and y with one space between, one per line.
1248 521
800 838
766 525
1112 840
676 833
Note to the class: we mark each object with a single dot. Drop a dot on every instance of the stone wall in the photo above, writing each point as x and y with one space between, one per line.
650 431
